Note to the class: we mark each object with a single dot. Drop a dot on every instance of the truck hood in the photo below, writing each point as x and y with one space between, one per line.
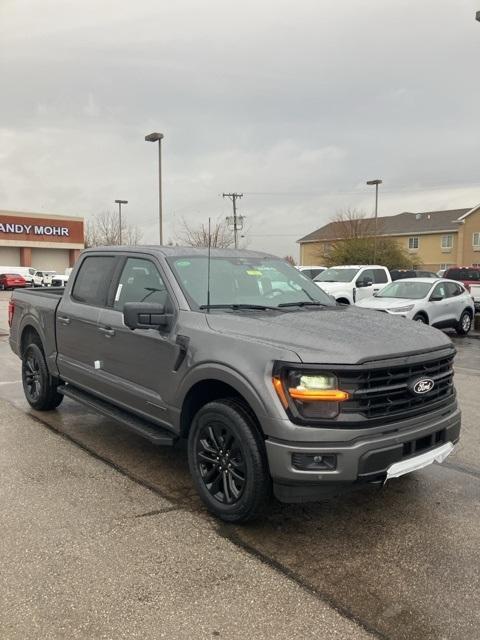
331 335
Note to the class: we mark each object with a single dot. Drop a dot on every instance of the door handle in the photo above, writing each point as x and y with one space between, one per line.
377 289
108 332
63 320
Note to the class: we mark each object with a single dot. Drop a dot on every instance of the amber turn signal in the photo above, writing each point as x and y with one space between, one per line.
312 395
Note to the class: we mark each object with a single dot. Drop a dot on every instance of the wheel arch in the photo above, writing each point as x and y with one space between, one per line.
207 385
424 314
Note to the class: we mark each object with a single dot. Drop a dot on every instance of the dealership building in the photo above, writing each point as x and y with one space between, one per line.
44 241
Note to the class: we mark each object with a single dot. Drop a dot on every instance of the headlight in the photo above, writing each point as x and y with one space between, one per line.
310 394
401 309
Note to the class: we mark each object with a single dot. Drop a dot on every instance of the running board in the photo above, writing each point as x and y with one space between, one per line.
156 435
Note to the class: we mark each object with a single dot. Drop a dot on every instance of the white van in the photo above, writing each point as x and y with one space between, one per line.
27 272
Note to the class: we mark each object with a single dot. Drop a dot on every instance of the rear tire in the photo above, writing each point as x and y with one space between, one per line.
39 386
227 461
465 324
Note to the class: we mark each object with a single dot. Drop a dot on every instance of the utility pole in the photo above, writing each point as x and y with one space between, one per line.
233 197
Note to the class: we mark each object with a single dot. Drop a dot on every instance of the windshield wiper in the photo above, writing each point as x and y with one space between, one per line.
304 303
263 307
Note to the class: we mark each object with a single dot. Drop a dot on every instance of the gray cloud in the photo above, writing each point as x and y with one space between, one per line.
296 104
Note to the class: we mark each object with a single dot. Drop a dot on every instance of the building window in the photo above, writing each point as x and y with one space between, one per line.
447 242
413 242
444 266
476 240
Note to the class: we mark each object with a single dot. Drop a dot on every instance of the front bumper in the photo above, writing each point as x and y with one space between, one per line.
365 459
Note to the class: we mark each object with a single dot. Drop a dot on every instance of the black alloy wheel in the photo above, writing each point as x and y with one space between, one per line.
221 462
32 376
227 461
39 386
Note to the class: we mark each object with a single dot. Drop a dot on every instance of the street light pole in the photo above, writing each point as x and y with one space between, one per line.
157 137
120 202
376 183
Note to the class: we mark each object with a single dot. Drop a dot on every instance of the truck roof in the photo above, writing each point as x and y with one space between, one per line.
185 251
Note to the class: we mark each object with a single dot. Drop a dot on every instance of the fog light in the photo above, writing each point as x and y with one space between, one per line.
314 461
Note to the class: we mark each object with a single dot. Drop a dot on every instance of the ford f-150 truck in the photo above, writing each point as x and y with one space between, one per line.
275 385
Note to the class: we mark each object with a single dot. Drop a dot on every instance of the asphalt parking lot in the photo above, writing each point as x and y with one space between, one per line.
400 562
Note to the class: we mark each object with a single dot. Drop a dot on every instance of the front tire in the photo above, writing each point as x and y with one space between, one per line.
420 318
39 386
227 461
465 324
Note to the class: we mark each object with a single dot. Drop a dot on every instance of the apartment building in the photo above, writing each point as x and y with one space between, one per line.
434 239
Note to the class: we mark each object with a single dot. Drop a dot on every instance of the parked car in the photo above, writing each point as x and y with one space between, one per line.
11 281
59 280
42 278
466 275
25 272
311 271
438 302
400 274
350 283
274 388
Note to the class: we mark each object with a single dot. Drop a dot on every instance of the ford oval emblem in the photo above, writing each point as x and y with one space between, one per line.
424 385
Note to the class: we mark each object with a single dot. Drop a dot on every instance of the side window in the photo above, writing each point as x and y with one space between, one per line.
440 291
93 280
140 282
379 276
366 274
453 289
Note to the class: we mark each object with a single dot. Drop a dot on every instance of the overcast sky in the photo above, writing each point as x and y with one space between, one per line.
295 104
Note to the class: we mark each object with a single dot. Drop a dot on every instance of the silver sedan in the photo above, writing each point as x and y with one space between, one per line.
440 303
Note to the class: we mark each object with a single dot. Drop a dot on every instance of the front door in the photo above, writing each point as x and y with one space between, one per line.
440 310
137 366
361 291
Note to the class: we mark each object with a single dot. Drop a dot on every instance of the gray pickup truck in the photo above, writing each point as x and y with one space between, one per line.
275 386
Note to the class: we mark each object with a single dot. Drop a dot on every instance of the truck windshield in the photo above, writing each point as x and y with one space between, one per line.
337 275
409 290
245 281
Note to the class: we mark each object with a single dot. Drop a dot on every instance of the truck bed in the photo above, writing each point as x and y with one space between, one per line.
36 307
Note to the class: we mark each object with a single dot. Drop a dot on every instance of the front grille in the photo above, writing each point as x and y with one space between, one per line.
384 393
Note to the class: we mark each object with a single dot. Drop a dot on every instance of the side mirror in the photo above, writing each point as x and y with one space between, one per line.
436 298
144 315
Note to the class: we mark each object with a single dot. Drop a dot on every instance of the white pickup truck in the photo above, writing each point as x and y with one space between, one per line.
350 283
475 293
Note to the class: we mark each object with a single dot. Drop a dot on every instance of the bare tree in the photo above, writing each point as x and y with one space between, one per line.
351 223
290 260
353 242
197 236
103 230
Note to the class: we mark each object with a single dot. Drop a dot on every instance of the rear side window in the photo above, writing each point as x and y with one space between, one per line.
379 276
453 289
93 280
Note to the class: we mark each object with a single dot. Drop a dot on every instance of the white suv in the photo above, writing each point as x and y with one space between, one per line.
350 283
440 303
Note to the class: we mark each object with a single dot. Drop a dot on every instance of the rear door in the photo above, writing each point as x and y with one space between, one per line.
138 366
458 299
76 322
